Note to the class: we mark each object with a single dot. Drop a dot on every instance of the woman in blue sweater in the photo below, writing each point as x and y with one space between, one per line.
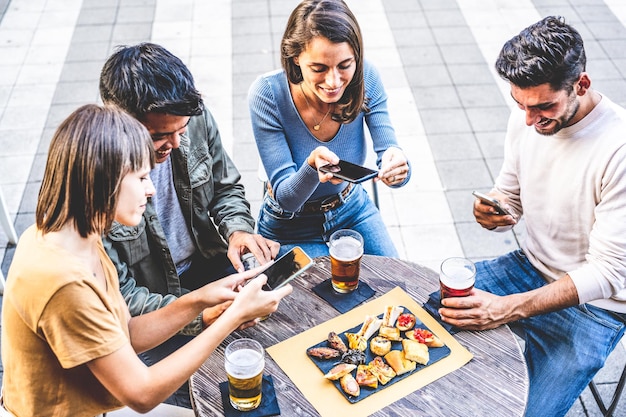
312 113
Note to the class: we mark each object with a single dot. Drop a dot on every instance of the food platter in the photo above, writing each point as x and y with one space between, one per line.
435 354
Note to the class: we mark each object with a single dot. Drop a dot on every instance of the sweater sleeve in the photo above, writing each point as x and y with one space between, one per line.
292 185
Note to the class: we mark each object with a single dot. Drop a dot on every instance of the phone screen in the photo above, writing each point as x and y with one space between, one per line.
348 171
286 268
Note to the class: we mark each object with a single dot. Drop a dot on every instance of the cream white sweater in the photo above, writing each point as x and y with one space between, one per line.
571 190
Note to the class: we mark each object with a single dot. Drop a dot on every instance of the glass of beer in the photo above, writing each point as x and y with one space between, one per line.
244 363
457 277
346 250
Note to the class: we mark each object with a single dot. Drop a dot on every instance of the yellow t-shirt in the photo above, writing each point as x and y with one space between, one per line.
55 320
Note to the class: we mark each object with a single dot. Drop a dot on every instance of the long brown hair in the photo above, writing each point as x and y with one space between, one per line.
90 153
333 20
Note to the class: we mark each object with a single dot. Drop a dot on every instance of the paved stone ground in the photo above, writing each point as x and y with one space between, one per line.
435 57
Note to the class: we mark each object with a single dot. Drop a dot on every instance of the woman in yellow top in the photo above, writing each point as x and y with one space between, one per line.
68 341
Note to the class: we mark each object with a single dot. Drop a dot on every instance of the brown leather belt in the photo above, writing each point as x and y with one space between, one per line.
321 205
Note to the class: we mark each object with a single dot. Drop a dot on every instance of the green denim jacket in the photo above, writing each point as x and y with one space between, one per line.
214 205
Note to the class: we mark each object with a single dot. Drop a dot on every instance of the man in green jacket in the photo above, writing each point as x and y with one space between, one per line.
198 225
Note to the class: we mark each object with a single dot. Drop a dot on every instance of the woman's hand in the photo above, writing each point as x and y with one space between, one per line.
253 302
323 156
225 289
394 168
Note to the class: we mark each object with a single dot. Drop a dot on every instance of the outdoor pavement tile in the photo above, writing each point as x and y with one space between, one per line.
480 243
431 242
37 73
251 26
88 51
15 170
608 30
421 208
614 48
423 55
438 97
261 63
444 17
413 36
613 89
464 174
92 33
8 74
469 74
444 121
82 71
138 32
488 119
393 77
461 203
100 3
20 117
604 69
253 43
453 35
15 142
491 143
494 165
427 76
249 8
406 19
384 58
77 92
58 112
454 146
101 15
461 54
28 204
480 95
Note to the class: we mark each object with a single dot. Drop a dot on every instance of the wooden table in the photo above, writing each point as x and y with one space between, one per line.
493 383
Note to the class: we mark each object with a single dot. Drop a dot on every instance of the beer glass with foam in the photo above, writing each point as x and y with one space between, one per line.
457 277
346 250
244 363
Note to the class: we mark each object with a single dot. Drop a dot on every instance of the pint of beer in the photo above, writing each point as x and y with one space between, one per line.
244 365
457 277
346 250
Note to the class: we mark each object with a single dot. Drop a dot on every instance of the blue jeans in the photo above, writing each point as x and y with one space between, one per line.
181 397
311 231
564 349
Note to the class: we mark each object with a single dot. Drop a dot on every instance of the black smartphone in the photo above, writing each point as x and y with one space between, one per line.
490 201
348 171
286 268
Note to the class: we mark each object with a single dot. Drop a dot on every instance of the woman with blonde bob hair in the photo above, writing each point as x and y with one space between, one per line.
68 341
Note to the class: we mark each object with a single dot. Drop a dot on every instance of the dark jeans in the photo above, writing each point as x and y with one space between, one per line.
201 272
181 396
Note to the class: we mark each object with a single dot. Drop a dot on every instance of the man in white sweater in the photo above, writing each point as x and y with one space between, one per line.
564 170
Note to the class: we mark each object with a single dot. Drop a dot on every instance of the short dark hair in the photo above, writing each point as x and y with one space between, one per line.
333 20
549 51
89 155
148 78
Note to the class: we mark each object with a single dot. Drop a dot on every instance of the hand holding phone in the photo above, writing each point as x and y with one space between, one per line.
493 202
350 172
286 268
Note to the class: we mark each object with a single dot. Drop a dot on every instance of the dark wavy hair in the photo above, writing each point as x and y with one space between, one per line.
89 155
333 20
148 78
549 51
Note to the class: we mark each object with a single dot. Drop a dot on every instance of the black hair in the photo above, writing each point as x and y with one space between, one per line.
148 78
549 51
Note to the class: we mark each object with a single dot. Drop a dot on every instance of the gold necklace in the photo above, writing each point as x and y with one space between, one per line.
317 125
